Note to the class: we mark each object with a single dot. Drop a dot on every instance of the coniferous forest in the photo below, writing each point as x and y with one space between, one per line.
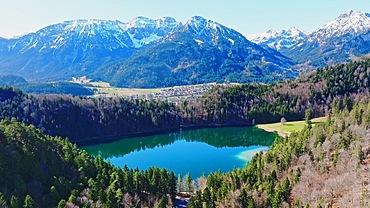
313 167
80 118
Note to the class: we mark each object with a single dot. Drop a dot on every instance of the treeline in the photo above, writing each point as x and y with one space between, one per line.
80 118
43 171
257 103
322 166
44 87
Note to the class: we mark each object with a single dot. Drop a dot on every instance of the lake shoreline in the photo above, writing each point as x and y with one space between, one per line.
269 127
287 128
113 138
186 151
272 130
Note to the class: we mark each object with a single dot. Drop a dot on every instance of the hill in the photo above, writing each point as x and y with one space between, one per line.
80 118
43 87
44 171
321 166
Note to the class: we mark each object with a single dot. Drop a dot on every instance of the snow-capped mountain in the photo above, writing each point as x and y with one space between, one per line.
278 39
337 41
79 47
348 25
86 34
135 34
201 51
210 31
143 31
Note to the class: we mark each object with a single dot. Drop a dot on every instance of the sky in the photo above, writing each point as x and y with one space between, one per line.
18 17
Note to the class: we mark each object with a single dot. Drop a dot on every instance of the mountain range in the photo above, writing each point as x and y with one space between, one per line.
279 39
201 51
164 52
341 40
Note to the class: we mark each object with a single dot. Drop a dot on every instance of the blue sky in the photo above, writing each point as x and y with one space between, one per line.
18 17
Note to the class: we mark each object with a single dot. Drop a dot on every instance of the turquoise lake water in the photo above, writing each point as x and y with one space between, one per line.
192 151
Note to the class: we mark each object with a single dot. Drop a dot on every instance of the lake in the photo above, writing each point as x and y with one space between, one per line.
191 151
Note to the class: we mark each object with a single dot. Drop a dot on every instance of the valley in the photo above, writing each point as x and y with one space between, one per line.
173 94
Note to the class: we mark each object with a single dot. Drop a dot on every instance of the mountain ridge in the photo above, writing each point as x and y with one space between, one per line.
100 48
201 44
335 41
163 52
278 39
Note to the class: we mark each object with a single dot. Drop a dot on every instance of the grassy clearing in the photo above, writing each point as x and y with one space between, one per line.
104 88
288 127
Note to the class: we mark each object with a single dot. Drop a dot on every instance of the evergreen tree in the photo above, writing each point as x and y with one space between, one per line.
189 185
14 202
179 183
29 202
62 203
2 200
308 115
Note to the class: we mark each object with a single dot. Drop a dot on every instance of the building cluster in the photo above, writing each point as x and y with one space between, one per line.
176 94
172 94
181 93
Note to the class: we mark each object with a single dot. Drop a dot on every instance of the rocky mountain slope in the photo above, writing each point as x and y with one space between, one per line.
278 39
79 47
201 51
164 52
141 53
343 39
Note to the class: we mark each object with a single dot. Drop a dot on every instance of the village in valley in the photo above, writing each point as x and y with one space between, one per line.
170 94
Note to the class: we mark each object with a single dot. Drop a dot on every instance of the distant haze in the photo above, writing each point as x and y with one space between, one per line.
247 17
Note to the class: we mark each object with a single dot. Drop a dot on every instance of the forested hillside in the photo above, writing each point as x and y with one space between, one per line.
318 91
80 118
324 166
43 171
44 87
321 166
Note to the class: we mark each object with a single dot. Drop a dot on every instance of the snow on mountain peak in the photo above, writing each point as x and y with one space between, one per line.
140 22
143 31
350 23
278 39
202 30
211 31
296 32
167 21
197 24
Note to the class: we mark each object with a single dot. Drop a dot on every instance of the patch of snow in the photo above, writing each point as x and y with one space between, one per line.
33 45
138 43
199 41
349 24
278 39
232 41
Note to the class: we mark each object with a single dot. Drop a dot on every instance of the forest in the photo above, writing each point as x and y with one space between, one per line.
320 166
85 120
44 171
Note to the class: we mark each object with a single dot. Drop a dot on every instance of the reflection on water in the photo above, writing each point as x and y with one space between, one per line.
195 151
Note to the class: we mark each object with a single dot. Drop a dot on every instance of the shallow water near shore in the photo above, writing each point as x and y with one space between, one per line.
195 151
